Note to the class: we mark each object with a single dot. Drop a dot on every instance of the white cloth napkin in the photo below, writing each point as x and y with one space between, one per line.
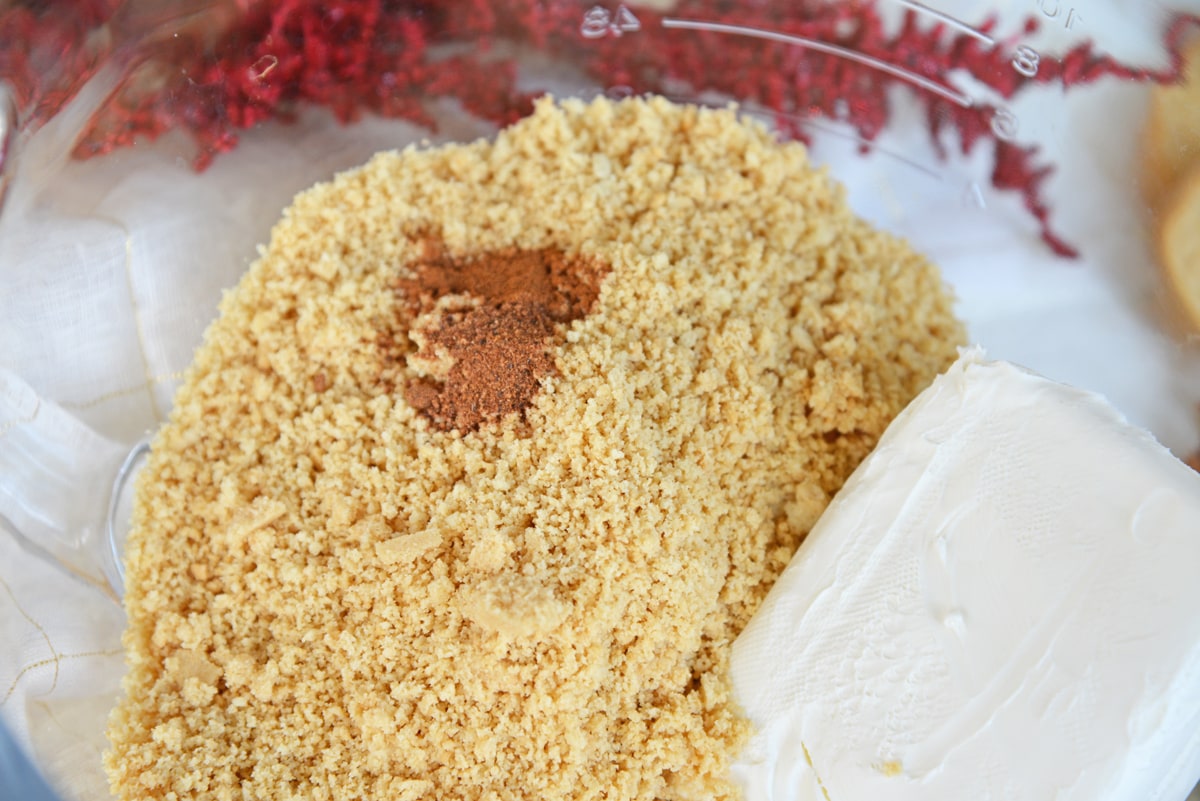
111 269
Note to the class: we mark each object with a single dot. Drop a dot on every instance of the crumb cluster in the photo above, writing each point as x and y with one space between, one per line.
331 596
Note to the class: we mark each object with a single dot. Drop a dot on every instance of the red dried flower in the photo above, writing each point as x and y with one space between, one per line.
46 55
216 68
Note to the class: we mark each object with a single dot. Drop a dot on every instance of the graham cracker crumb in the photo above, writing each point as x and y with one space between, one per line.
331 598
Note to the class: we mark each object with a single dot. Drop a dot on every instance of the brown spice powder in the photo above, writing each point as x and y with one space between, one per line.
498 349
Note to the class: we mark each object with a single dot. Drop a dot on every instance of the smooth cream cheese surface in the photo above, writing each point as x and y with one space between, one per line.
1003 602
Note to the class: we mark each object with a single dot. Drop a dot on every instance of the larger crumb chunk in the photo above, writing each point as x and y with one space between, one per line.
514 606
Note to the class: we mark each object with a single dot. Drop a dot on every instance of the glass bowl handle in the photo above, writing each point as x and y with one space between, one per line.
60 484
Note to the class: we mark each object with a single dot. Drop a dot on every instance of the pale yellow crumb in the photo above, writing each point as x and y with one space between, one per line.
330 599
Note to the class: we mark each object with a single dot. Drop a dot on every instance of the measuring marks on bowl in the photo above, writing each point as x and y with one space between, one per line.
601 22
947 19
819 46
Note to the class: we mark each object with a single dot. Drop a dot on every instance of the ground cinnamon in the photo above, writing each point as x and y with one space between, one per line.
515 303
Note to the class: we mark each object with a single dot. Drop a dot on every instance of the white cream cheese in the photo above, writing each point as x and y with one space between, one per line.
1003 602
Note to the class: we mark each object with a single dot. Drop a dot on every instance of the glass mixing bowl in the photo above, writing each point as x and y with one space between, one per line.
147 148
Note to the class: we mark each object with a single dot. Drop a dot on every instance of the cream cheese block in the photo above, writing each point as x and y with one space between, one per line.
1003 602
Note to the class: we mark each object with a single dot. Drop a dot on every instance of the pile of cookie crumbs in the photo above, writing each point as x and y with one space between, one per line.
359 570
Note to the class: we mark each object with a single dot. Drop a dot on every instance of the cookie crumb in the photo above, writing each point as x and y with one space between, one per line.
595 381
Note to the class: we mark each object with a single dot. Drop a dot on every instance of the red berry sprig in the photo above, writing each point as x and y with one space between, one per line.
218 68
